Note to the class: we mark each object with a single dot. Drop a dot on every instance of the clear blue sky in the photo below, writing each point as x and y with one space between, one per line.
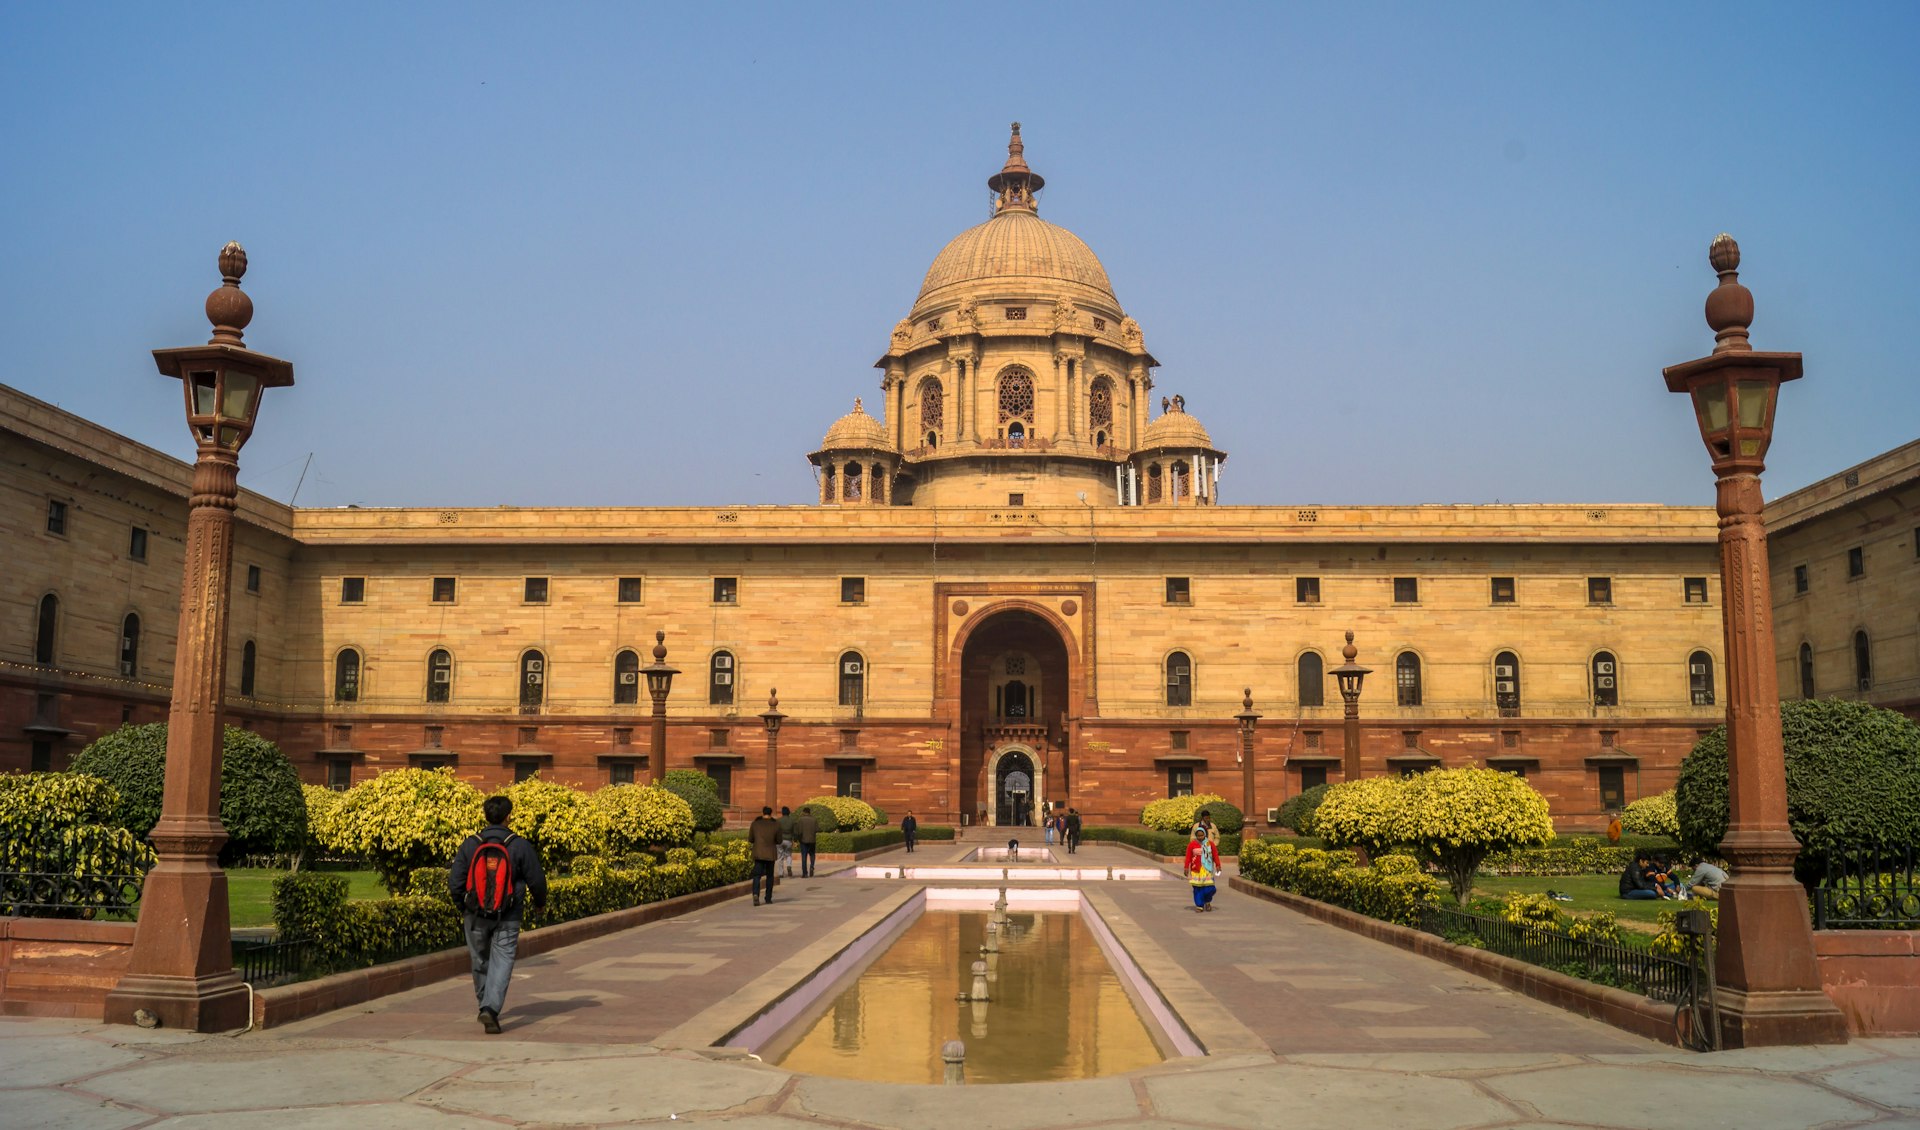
645 254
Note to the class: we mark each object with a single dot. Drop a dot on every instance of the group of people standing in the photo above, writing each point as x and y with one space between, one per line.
773 842
1062 826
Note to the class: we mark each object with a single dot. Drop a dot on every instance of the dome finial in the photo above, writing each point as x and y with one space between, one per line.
1015 183
1729 305
228 307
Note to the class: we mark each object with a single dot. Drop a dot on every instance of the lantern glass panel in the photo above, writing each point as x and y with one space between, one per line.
237 397
1753 396
1710 404
231 436
204 393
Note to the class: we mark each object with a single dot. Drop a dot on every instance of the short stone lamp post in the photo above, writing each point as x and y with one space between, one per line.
772 717
1349 676
659 675
1247 719
180 974
1769 988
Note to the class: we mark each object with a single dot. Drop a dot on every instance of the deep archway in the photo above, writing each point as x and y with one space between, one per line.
1016 680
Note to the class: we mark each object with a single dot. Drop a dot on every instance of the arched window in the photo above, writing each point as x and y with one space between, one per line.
1506 684
1806 670
1016 396
1178 480
1013 699
1016 434
1100 408
826 483
248 659
1154 490
1179 679
1311 679
853 679
43 634
933 410
130 645
877 478
720 672
346 676
626 677
533 680
1862 661
1606 679
1406 679
1700 678
440 675
850 483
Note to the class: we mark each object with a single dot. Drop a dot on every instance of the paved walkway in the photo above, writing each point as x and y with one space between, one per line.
1310 1027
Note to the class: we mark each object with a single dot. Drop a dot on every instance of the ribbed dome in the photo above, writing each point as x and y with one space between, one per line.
1017 244
856 431
1175 428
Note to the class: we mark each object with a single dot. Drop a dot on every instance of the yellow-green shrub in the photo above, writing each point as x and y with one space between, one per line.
1178 813
64 824
850 813
1455 818
560 822
1655 815
639 816
1395 889
402 820
1363 813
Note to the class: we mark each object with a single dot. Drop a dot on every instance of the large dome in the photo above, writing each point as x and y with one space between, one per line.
1016 244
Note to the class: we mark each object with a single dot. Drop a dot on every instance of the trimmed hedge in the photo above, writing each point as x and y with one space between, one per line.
1180 813
1655 815
701 794
1157 842
848 814
1394 889
1582 855
1297 812
260 799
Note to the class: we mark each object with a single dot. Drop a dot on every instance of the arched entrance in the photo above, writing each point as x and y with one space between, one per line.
1015 688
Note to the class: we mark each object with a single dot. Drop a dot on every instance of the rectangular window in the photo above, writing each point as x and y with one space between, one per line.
1179 781
137 544
1613 788
1016 500
1177 739
722 778
353 590
1516 768
623 737
1510 739
1016 313
849 739
434 737
1599 590
253 578
629 590
1410 739
339 774
529 735
1695 589
726 590
620 773
1312 739
536 590
524 770
1406 590
853 590
717 739
443 590
1179 590
1856 562
41 759
847 781
1306 590
343 737
1503 590
1312 777
421 761
1608 737
1799 579
56 517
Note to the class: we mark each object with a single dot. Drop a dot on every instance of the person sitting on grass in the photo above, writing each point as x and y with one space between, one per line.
1636 882
1705 881
1664 882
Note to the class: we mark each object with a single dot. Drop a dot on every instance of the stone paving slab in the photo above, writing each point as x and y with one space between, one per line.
1674 1099
603 1091
47 1109
1007 1106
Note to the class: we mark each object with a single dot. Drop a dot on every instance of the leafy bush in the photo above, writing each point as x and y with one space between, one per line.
822 815
1537 914
1180 813
403 820
1297 812
560 822
1363 814
639 816
260 797
64 825
1455 818
1655 815
1581 855
702 796
322 803
1853 780
1394 889
1157 842
850 814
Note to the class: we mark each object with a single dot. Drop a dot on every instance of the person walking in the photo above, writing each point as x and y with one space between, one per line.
784 861
806 830
1046 821
492 876
1203 863
1073 830
764 835
910 828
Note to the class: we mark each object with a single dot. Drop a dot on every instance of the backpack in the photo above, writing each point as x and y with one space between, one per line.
490 890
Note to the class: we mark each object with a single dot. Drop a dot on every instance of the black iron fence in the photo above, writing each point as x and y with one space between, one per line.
63 894
1679 980
1869 888
273 961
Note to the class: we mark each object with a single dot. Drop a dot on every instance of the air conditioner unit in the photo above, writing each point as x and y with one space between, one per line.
1604 667
536 664
722 661
723 678
1273 816
629 677
1503 687
1604 682
535 678
851 667
1696 668
443 675
1503 671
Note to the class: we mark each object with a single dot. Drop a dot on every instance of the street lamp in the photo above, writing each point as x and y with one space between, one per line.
772 717
659 681
180 973
1349 676
1770 982
1247 719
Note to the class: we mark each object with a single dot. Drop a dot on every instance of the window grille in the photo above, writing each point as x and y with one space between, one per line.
1406 679
1016 396
1700 678
1312 679
626 678
440 676
1100 404
1179 679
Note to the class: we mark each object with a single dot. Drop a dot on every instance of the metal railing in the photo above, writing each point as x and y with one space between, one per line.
62 894
272 961
1869 888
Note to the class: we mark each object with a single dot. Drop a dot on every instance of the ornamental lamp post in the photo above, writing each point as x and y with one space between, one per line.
659 681
180 973
1769 981
772 717
1247 719
1349 676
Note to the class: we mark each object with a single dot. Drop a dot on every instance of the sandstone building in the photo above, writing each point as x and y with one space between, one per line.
1019 574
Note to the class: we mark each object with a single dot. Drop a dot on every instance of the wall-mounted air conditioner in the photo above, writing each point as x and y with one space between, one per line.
1604 682
1696 668
536 664
723 678
851 667
1604 667
535 678
443 676
722 661
1503 671
1503 687
629 677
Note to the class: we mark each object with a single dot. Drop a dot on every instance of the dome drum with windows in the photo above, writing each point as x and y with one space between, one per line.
1017 378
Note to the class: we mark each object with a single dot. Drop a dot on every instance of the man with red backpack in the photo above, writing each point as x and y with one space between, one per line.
493 873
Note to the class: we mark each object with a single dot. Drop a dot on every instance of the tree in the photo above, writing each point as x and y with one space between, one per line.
1853 780
1455 818
701 794
404 819
260 799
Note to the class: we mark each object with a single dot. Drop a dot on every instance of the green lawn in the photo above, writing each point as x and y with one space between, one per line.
250 892
1590 893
